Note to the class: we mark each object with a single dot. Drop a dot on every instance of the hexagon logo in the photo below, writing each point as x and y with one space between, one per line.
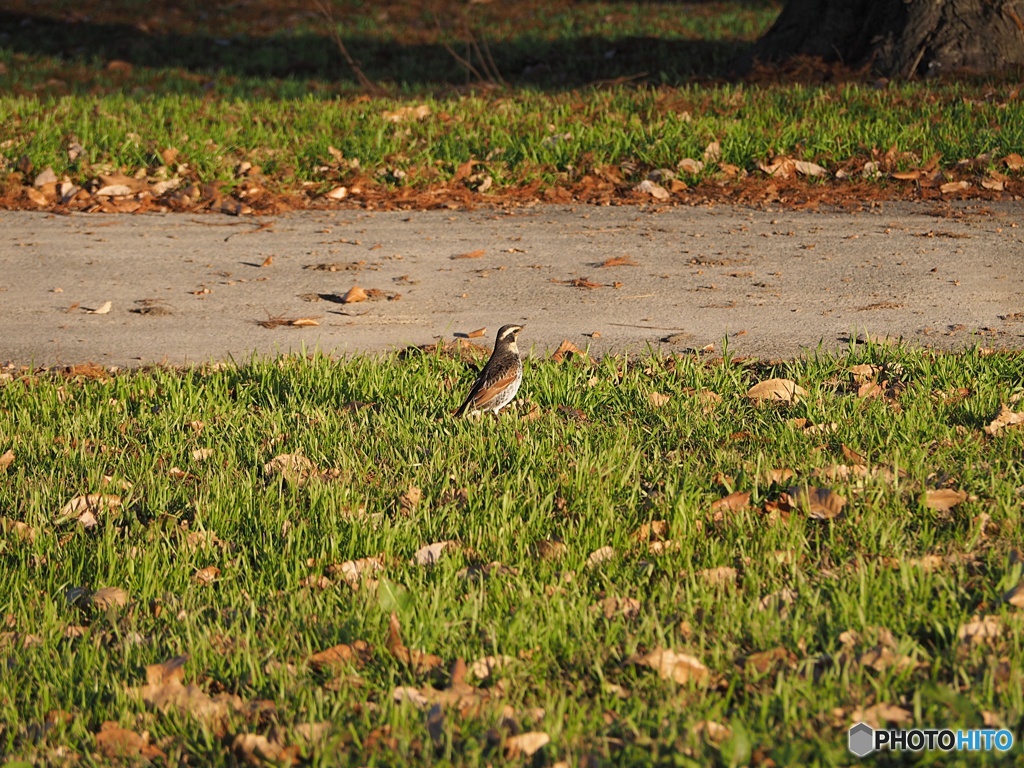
862 739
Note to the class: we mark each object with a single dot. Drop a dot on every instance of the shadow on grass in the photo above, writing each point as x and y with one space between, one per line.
527 60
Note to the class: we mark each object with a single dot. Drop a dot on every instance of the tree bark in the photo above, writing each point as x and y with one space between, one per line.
901 38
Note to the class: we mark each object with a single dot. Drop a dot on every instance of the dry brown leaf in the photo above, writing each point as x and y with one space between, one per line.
293 468
944 499
402 114
419 662
102 309
997 185
85 508
1006 418
410 499
656 530
818 503
353 295
674 666
734 502
1015 596
484 667
257 750
1013 161
431 553
477 333
778 476
471 254
763 661
119 743
565 350
206 575
6 459
954 186
980 631
353 571
164 691
202 454
109 597
783 390
777 600
657 399
713 152
821 429
862 374
627 607
713 732
805 168
599 556
356 653
525 744
17 529
690 166
853 457
655 190
618 261
723 576
549 549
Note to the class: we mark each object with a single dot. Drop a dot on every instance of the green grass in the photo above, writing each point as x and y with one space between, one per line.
589 483
536 137
263 83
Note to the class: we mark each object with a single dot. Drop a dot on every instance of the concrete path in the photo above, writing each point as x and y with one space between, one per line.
191 288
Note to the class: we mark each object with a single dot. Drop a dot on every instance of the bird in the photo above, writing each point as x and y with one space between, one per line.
499 380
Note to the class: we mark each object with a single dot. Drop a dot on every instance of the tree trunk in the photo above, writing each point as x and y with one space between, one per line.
901 38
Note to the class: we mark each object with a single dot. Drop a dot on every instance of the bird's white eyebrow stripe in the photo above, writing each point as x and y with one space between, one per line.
510 331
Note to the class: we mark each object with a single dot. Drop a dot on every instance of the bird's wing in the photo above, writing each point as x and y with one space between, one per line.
485 390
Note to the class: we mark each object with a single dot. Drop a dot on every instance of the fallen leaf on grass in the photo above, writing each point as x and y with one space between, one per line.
292 468
853 457
257 750
734 502
713 732
818 503
420 662
1015 596
525 744
471 255
164 691
566 350
484 667
354 571
356 653
598 556
6 459
783 390
17 529
402 114
674 666
431 553
410 499
207 575
549 549
104 598
980 631
610 607
944 499
764 661
119 743
85 508
723 576
1006 418
657 399
202 454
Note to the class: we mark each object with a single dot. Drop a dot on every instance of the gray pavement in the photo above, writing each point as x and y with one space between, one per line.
774 283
